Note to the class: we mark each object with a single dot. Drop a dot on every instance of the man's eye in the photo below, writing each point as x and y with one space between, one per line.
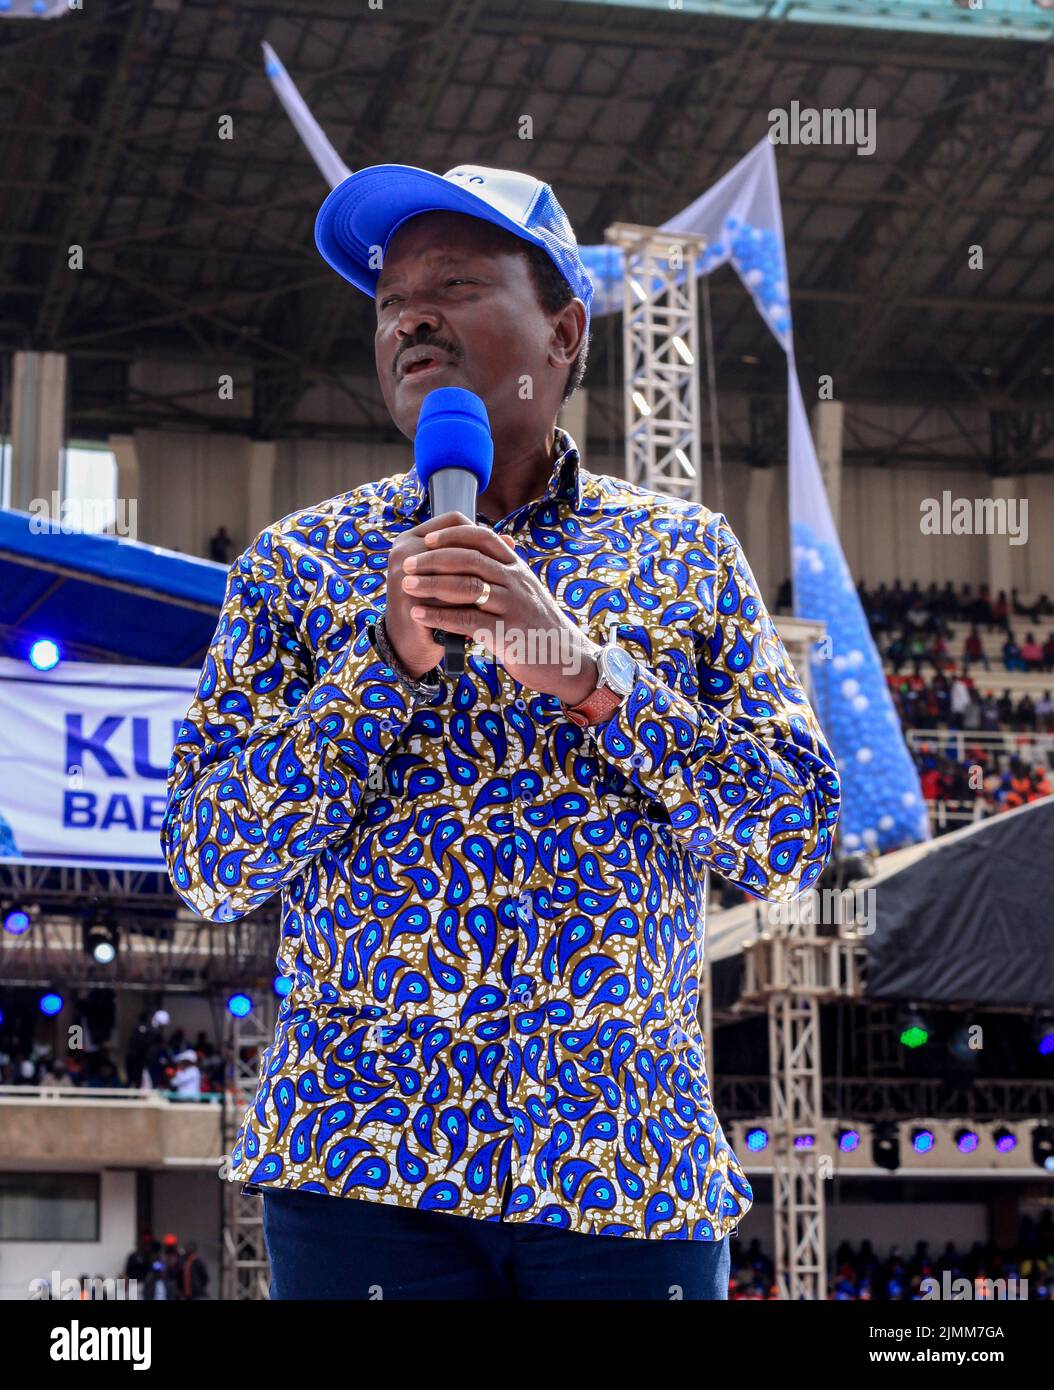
452 280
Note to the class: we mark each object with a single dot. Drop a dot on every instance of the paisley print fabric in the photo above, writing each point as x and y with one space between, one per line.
492 919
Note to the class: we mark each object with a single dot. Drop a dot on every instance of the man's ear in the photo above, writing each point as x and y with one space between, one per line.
569 333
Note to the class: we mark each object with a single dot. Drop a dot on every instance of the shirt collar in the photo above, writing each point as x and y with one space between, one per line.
565 482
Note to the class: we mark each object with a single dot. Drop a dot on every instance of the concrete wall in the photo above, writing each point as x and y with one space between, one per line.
59 1133
23 1261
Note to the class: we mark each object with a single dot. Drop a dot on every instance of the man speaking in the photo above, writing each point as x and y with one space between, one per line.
487 1079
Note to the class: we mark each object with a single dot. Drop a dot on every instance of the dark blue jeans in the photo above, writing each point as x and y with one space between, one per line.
351 1248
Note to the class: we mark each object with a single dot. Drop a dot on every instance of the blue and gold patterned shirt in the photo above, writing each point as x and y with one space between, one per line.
493 919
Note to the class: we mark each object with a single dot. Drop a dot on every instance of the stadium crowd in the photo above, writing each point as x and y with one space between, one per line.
154 1060
858 1274
933 679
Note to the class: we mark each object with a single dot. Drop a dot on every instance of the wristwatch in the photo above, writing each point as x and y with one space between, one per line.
616 677
420 689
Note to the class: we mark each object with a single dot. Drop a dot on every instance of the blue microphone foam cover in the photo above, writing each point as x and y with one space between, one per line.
453 431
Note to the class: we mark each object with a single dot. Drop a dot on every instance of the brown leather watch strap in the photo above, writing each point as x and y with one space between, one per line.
600 705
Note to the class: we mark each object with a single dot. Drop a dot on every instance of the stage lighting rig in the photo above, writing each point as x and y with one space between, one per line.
100 934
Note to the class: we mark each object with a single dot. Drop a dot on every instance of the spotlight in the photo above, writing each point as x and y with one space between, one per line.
967 1140
805 1141
16 919
914 1030
923 1140
51 1004
885 1146
44 655
1043 1147
848 1140
959 1046
239 1005
757 1139
1005 1140
282 985
99 934
1043 1033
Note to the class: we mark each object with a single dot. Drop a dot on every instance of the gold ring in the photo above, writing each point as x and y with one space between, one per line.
484 594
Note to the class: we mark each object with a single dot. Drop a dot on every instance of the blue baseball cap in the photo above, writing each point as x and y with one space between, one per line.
358 219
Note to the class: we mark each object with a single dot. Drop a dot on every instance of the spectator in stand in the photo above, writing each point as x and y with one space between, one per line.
1018 792
187 1079
960 699
971 719
1045 712
1032 654
897 654
918 650
982 608
1048 653
220 547
194 1276
917 616
973 649
1012 654
989 713
1000 611
1025 714
1005 708
1034 610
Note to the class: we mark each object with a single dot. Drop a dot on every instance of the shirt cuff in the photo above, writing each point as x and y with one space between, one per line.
712 783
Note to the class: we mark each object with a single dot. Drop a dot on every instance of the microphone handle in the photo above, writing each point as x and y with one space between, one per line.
452 490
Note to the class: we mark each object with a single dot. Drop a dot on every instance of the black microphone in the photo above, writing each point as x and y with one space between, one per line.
453 455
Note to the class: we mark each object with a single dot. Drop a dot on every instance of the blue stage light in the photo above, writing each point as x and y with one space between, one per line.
239 1005
51 1004
757 1139
849 1140
282 985
44 654
1005 1140
923 1140
966 1141
16 920
805 1141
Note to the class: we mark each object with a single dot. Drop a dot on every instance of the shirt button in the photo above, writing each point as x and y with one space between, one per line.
520 702
637 760
387 725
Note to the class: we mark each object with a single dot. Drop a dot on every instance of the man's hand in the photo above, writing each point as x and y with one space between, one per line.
436 572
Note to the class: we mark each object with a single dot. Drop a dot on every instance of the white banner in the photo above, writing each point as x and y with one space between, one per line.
84 753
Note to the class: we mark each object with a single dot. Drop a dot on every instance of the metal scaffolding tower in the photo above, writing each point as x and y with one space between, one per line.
793 967
244 1269
661 356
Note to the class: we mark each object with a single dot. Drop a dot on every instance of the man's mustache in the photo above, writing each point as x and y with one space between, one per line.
440 344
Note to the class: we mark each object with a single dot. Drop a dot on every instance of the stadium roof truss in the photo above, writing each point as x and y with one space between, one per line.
201 247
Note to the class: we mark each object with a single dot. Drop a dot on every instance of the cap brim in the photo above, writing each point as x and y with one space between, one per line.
356 220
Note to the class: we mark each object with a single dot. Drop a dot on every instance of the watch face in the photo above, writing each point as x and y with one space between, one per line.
618 668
